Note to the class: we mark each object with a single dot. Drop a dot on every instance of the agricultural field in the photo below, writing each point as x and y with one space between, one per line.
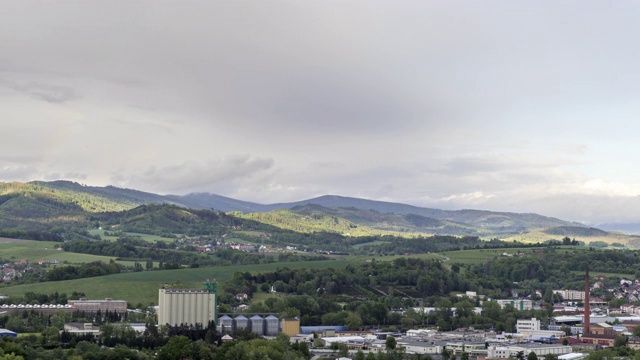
145 237
17 249
43 250
261 297
609 238
142 287
479 256
607 274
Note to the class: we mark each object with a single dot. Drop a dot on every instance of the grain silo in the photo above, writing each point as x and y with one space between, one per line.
226 323
272 325
257 324
241 322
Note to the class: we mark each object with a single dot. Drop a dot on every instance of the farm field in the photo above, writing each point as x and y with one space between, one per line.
43 250
479 256
145 237
607 274
142 287
539 236
30 250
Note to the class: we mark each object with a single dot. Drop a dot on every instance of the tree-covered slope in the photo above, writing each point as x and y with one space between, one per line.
63 202
357 222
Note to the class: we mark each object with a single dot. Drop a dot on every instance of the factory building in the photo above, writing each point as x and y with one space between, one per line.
188 306
93 306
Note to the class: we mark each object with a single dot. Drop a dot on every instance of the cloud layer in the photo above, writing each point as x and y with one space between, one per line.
527 106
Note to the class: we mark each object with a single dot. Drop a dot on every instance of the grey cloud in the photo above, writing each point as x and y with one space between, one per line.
18 173
453 103
19 158
193 176
46 92
66 176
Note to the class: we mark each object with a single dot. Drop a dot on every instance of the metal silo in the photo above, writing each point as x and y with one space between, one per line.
226 323
257 324
272 325
241 322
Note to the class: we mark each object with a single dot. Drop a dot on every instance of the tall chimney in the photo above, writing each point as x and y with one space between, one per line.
587 309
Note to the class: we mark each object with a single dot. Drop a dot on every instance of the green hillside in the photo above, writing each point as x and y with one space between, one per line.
142 287
48 206
357 222
573 231
313 222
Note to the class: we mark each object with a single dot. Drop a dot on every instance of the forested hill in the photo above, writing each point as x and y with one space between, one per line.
358 222
40 204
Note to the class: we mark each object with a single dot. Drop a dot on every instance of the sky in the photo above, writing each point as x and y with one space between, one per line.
521 106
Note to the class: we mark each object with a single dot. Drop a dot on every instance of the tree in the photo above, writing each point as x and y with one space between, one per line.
551 357
532 356
178 347
353 321
520 355
343 350
390 343
620 341
446 355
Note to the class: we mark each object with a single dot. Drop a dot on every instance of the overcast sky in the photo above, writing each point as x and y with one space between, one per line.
525 106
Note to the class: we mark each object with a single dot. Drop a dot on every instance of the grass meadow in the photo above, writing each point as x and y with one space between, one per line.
145 237
16 250
142 287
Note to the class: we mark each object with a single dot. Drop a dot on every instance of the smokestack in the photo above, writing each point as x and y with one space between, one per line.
587 308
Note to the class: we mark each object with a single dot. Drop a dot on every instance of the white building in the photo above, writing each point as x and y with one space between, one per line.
421 347
527 325
187 306
570 294
93 306
504 352
517 304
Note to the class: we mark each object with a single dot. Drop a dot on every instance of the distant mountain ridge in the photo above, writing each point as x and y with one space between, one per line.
18 198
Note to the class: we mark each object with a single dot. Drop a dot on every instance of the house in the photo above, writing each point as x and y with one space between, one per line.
634 343
242 297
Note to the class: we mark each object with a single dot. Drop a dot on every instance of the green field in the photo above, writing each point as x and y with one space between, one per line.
479 256
145 237
377 242
539 236
31 251
43 250
142 287
609 275
261 297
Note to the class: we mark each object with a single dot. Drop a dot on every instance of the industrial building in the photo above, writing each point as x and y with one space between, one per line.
188 306
263 326
540 350
521 304
93 306
291 326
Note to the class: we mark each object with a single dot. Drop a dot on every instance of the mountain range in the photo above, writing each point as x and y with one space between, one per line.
38 203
